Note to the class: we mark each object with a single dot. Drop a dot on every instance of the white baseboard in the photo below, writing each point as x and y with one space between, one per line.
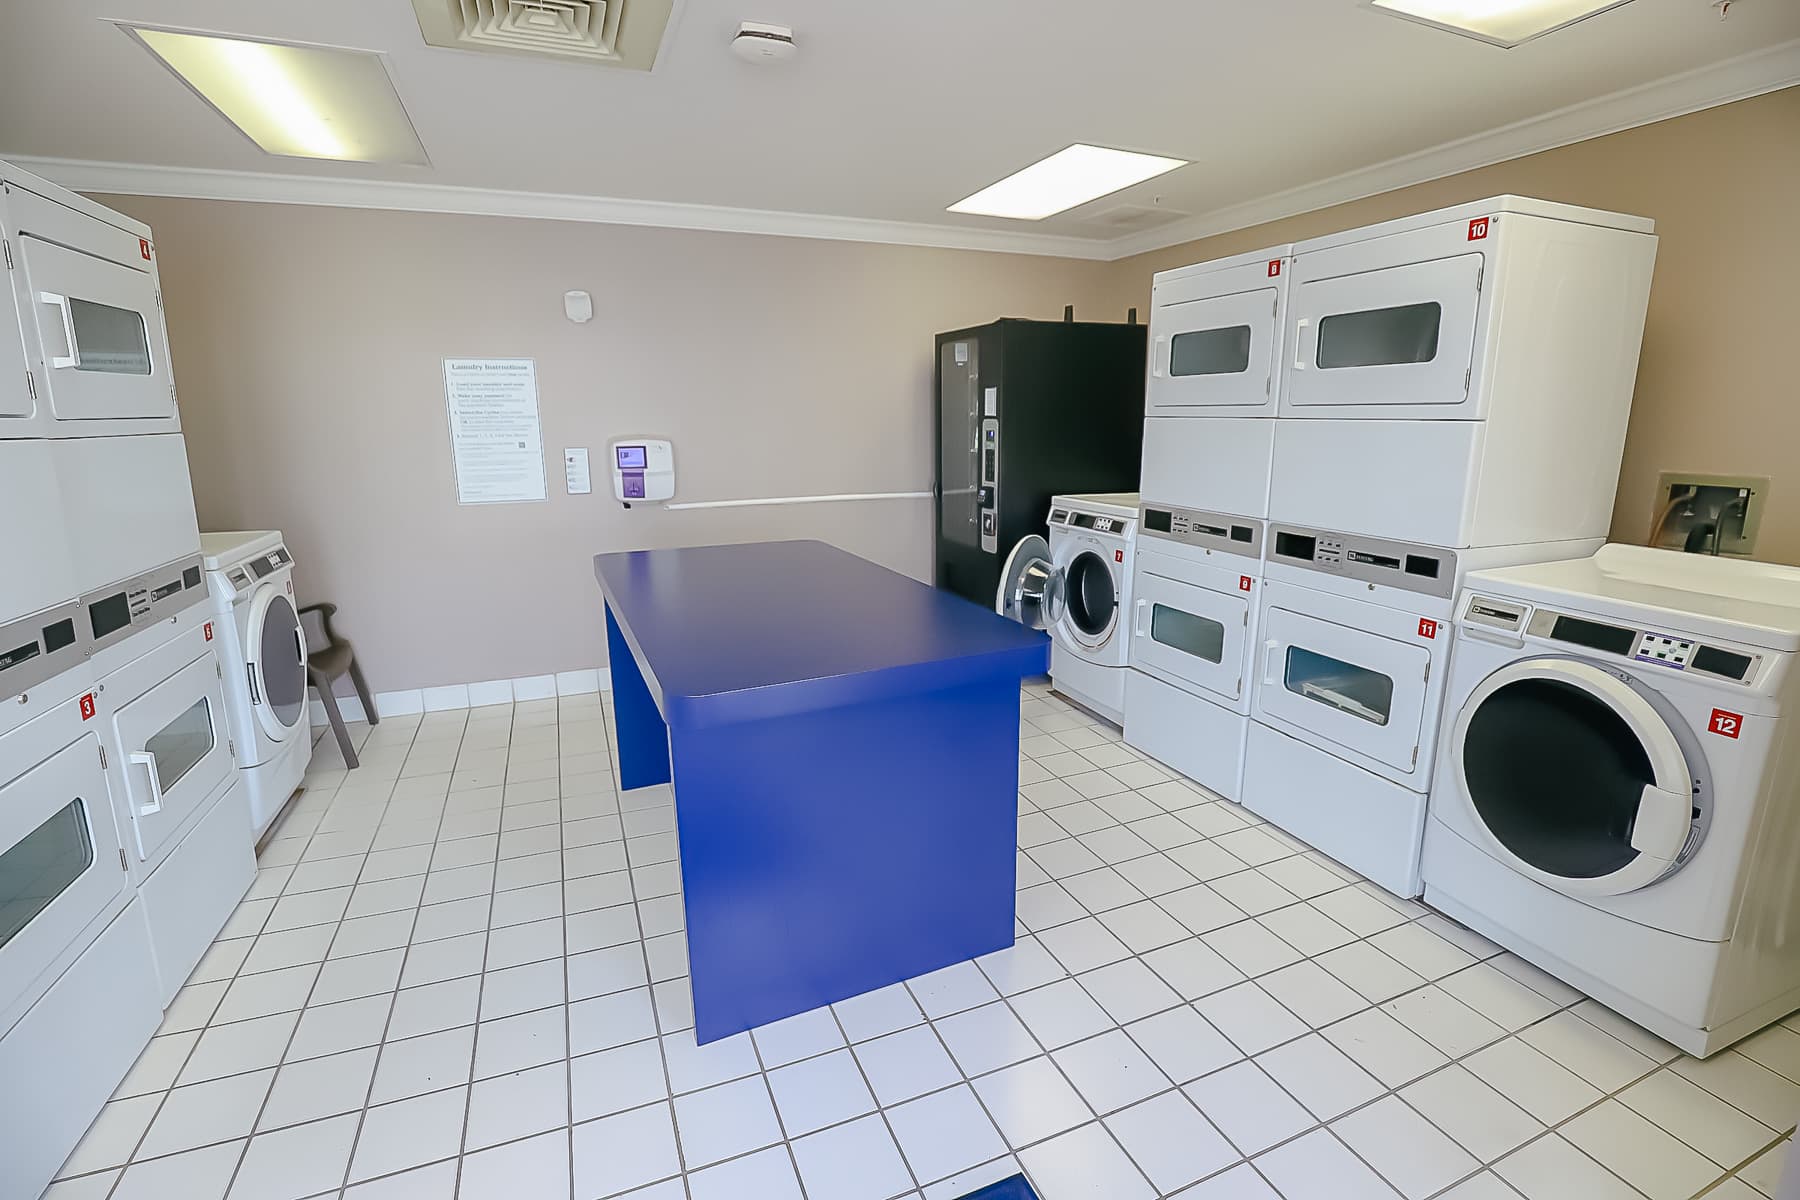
472 695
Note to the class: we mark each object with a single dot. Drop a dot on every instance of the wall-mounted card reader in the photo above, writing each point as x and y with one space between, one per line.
642 469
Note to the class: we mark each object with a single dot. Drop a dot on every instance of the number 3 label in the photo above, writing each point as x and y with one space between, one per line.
1725 724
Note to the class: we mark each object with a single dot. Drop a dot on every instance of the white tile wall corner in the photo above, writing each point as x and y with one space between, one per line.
473 695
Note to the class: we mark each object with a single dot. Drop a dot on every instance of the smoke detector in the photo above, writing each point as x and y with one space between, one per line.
759 43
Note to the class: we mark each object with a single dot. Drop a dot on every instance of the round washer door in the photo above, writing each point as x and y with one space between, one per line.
1574 778
1090 599
272 636
1031 588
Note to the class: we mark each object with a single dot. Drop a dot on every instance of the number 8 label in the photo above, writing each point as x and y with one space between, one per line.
1725 724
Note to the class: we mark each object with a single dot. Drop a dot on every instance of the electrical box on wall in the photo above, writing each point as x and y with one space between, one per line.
642 469
1708 514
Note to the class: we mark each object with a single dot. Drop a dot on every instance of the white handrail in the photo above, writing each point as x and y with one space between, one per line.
843 497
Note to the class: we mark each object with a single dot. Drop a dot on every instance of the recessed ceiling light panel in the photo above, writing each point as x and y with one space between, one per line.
1062 181
296 101
1498 22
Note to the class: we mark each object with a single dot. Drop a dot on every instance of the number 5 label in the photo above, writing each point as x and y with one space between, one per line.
1725 724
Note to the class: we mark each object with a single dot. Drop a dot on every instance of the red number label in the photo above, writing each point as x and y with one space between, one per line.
87 707
1725 724
1427 628
1118 556
1243 583
1274 267
144 248
1478 229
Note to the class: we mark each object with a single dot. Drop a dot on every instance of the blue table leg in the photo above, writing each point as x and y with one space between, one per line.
834 852
643 738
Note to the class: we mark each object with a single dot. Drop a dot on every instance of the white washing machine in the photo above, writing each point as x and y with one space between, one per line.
1078 585
1616 800
251 579
1354 642
1192 629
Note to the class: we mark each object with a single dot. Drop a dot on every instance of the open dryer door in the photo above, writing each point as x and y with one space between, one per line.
1576 779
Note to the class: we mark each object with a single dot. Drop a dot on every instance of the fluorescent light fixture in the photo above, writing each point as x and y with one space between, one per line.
296 101
1064 180
1500 22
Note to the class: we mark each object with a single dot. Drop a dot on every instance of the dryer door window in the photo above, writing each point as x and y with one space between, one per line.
1091 598
280 667
1575 778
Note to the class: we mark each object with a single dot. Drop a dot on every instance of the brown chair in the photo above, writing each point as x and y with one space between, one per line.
328 659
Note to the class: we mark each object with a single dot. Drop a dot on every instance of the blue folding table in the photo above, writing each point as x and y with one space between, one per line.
843 743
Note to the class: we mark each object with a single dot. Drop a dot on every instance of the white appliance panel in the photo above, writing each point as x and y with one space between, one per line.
1217 465
128 504
36 571
1190 633
1198 737
1410 481
1215 353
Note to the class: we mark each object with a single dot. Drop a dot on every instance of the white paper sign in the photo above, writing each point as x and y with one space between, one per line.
575 467
495 436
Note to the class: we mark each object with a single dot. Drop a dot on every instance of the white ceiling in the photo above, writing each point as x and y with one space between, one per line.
892 111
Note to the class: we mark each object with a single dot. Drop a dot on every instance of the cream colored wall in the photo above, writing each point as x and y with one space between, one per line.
1716 385
308 347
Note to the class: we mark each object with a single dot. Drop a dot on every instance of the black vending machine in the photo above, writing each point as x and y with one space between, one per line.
1027 410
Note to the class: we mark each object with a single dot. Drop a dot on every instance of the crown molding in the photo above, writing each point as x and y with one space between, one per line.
1766 70
1740 78
194 183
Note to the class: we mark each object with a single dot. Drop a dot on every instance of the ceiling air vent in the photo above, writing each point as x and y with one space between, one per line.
624 33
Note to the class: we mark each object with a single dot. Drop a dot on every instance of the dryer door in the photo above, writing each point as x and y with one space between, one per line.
277 667
1031 585
1576 780
1193 634
176 752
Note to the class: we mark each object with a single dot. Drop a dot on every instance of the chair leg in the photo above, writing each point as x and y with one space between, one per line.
362 692
337 723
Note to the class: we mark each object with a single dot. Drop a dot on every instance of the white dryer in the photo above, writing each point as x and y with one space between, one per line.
1354 648
263 648
1192 628
1216 331
76 965
1616 797
1078 585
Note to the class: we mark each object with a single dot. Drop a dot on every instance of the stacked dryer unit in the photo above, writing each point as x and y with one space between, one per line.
1454 395
124 843
1216 335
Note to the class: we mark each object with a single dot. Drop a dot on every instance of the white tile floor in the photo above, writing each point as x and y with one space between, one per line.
461 972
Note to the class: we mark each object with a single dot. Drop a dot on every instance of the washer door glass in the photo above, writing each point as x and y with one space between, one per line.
1091 600
281 662
1573 783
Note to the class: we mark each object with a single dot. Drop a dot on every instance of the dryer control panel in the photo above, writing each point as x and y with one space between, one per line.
1428 570
1209 531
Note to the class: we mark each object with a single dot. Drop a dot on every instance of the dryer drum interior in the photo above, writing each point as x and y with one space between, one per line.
1092 599
1557 775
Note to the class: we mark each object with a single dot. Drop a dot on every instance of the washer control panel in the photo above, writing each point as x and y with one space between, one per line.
1660 648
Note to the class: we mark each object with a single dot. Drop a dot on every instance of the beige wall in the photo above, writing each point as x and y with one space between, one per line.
308 347
1716 384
